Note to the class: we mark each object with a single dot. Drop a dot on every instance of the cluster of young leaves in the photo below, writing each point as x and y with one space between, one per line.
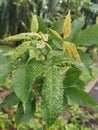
49 64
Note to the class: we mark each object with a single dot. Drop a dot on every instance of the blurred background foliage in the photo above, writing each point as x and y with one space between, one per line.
16 15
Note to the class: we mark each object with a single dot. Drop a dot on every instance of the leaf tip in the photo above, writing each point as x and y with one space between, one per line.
67 25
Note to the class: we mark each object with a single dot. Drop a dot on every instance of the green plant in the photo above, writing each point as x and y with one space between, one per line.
5 122
48 65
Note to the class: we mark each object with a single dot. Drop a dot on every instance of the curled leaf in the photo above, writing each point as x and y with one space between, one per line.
22 37
41 44
44 37
67 25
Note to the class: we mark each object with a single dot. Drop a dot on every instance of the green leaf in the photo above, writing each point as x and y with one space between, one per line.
77 24
80 97
27 111
20 83
65 103
39 81
87 37
34 70
34 23
19 113
54 35
57 25
72 78
52 95
4 59
25 57
21 49
42 25
5 70
29 108
85 58
24 77
9 100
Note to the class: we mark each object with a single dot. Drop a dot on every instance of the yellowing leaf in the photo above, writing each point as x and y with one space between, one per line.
75 52
56 33
72 50
97 20
67 48
67 25
41 44
34 23
44 36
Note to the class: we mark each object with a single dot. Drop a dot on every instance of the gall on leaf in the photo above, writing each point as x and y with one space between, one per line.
67 25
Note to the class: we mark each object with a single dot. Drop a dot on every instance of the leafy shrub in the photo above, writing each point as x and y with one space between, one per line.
48 63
